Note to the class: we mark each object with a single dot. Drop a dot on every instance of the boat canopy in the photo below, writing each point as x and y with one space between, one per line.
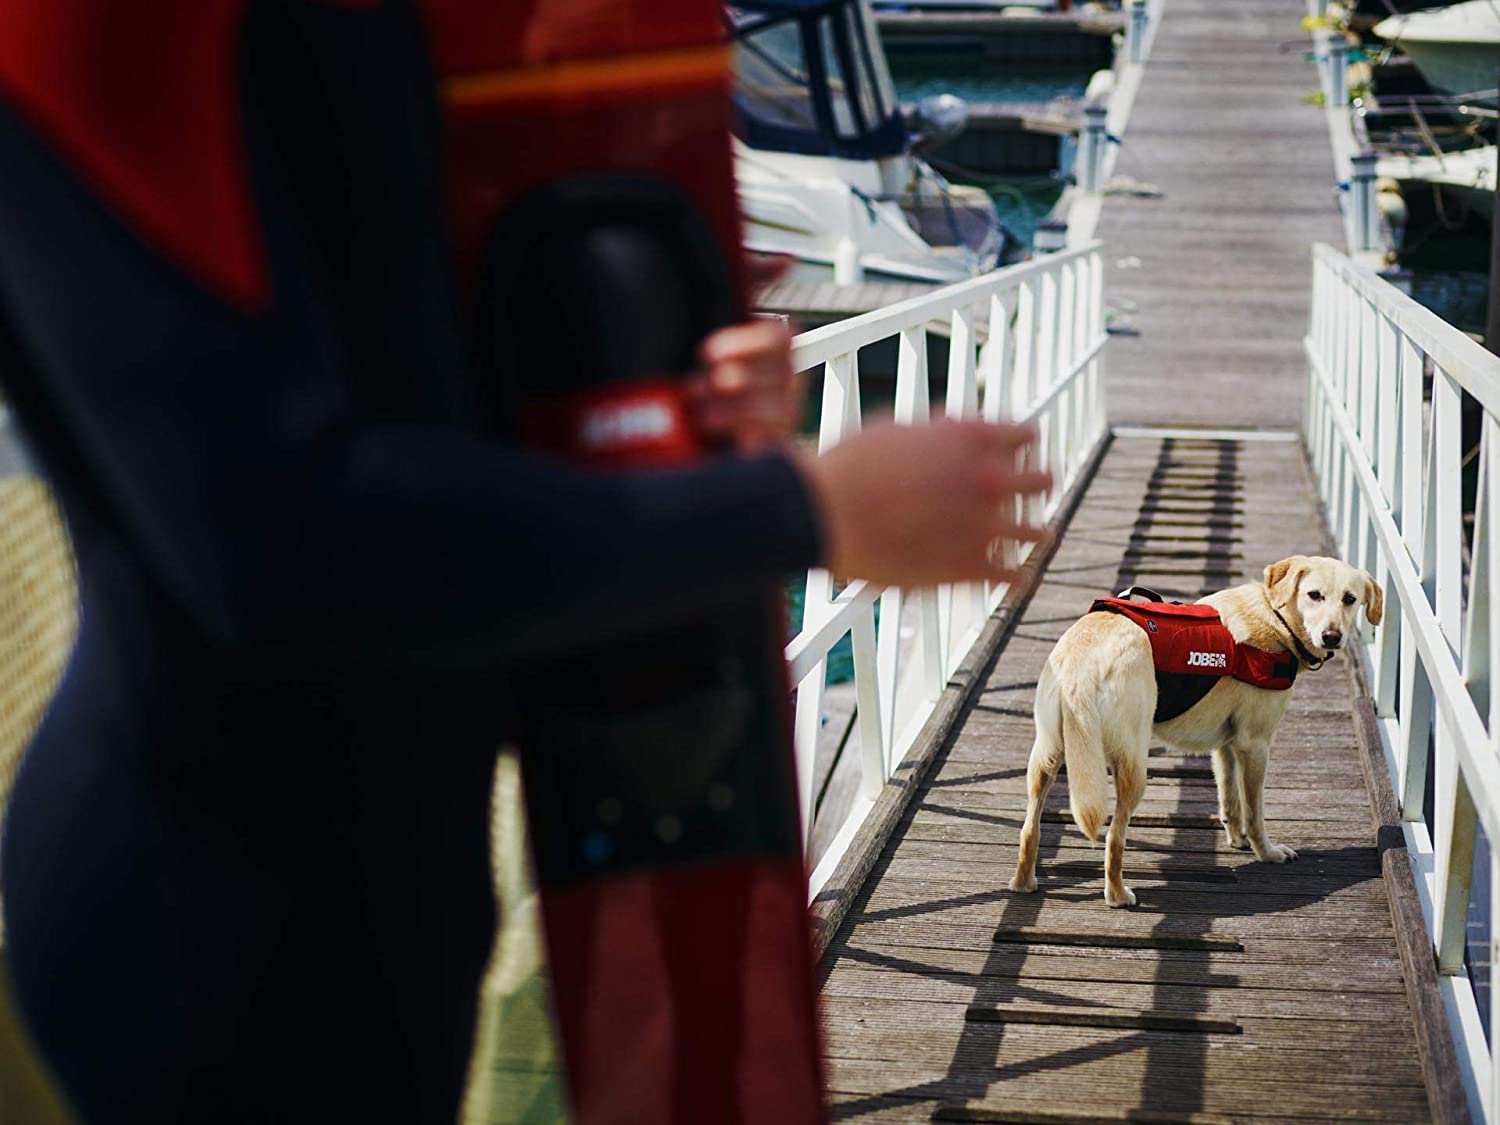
805 80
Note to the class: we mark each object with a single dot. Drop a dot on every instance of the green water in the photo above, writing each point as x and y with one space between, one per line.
1458 296
970 75
1450 275
1020 201
841 656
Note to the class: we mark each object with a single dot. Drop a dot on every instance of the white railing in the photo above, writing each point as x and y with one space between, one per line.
1040 362
1389 464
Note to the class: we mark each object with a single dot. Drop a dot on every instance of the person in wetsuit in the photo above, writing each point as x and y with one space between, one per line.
245 859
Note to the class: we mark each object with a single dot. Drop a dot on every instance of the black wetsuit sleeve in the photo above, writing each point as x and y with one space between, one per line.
229 450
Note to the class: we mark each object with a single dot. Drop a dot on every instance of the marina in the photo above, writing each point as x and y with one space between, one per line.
1200 252
1048 1008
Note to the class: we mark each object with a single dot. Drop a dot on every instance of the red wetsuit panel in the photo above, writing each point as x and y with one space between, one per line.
470 38
159 141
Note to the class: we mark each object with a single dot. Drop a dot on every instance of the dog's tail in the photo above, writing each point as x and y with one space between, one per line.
1083 751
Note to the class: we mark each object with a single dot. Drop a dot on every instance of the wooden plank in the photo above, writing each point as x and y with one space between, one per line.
1060 1016
1035 935
878 1024
1302 953
934 823
1214 967
963 1111
1039 1088
1025 996
1086 913
1106 1052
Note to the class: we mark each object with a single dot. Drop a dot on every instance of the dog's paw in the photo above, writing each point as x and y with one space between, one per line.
1126 897
1235 836
1275 853
1023 886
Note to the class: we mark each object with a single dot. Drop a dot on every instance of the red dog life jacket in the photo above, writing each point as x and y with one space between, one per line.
1192 650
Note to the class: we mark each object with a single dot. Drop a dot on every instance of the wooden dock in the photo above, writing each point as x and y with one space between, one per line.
1211 281
1234 990
1079 36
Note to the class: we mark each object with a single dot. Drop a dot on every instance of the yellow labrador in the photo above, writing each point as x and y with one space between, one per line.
1097 696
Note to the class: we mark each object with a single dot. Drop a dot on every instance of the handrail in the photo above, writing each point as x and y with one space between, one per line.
1389 462
1040 362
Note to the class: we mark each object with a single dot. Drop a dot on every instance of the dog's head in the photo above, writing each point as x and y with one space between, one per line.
1320 599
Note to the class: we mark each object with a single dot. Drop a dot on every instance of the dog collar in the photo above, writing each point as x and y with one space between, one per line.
1307 658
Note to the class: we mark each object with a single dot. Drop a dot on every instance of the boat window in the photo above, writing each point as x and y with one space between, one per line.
866 88
770 76
845 124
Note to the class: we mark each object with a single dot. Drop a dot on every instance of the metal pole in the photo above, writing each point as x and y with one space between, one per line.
1316 8
1051 236
1362 199
1338 71
1091 141
1135 33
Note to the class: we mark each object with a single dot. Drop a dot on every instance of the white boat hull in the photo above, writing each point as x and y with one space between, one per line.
824 212
1465 178
1457 68
1456 48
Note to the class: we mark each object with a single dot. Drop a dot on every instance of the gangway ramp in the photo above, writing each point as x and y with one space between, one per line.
1234 990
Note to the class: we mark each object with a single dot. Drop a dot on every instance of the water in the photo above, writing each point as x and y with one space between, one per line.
1458 296
841 656
1021 202
972 76
1450 276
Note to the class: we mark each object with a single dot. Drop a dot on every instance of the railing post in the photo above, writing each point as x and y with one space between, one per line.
1135 32
1098 404
873 762
1365 207
1091 141
1453 808
1338 71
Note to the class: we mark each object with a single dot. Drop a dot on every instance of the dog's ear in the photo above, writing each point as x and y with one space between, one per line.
1374 599
1286 573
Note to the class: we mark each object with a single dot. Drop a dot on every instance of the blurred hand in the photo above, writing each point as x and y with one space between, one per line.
920 505
748 394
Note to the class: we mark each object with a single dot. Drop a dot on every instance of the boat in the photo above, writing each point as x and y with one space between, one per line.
1462 181
1456 48
1003 7
824 157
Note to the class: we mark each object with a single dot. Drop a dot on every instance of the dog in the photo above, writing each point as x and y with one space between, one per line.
1097 698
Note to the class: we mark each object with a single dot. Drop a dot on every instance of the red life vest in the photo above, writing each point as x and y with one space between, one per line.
1192 650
